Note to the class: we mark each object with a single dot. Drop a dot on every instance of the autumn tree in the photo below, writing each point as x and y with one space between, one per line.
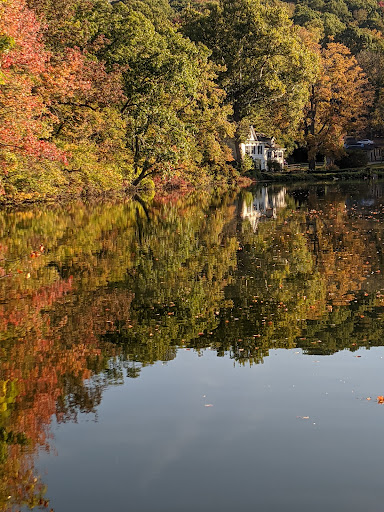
171 96
337 104
25 121
266 67
132 96
372 63
84 95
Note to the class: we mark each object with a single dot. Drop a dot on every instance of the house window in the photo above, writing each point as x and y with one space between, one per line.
253 150
248 150
260 150
269 154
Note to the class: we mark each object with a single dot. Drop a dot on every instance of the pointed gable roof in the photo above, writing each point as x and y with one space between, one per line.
269 142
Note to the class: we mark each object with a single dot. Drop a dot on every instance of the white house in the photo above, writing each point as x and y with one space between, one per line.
262 149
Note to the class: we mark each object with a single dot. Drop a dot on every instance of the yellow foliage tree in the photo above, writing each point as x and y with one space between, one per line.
338 102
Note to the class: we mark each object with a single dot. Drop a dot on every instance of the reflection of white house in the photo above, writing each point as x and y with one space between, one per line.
264 204
262 149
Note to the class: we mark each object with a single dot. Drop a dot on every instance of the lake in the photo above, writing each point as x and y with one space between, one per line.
198 354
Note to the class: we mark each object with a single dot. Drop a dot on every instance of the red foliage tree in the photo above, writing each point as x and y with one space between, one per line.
25 121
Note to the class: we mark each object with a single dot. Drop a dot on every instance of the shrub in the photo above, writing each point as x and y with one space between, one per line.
247 164
272 165
353 158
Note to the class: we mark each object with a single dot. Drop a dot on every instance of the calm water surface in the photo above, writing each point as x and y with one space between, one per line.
211 353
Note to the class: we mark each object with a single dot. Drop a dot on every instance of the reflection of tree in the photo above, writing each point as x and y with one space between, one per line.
78 275
44 372
299 282
340 251
93 294
32 369
182 265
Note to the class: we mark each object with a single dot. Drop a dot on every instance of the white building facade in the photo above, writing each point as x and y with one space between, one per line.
262 149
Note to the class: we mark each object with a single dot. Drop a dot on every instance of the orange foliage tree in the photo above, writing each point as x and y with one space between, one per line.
338 102
25 121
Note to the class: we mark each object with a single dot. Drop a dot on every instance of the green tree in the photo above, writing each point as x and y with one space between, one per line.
266 66
171 97
357 24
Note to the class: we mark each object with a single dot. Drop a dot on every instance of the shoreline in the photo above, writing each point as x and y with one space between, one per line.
320 176
146 193
172 191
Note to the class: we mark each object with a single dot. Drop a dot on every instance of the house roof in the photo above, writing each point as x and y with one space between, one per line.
269 142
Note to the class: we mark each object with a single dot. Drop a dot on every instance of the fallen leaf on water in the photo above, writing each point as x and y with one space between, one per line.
208 405
369 398
380 399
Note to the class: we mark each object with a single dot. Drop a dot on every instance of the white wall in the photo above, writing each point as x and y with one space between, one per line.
262 158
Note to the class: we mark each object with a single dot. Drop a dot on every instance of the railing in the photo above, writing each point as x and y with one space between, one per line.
301 167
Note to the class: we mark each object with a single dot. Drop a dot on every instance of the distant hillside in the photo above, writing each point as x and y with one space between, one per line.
359 24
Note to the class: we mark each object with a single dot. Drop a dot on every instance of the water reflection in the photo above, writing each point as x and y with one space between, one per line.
262 203
93 293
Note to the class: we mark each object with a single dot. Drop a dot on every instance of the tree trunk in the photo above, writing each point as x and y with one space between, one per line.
237 119
139 178
312 164
310 130
238 153
143 174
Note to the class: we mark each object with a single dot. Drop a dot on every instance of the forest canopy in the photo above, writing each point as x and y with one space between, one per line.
102 96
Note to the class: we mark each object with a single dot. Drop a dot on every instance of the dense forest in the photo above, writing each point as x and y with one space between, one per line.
104 96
